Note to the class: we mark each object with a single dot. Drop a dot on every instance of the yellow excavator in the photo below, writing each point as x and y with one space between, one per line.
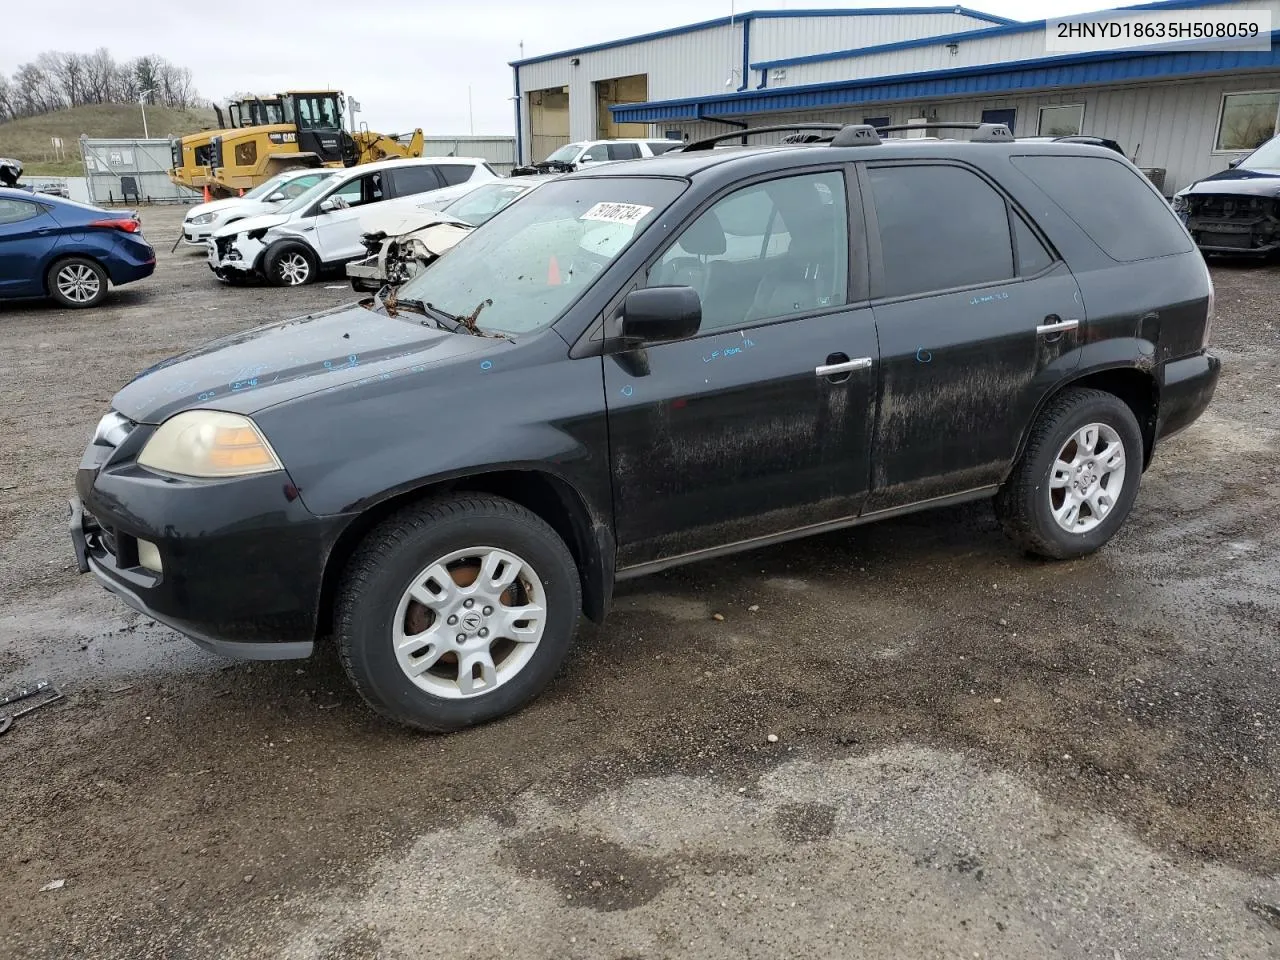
190 154
310 133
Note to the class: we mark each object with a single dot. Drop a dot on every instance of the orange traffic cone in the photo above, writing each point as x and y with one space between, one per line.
207 198
553 273
242 191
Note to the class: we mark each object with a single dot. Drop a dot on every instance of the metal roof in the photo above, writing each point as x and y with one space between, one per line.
1111 66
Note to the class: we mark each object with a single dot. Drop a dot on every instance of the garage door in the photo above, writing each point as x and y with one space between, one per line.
548 121
633 89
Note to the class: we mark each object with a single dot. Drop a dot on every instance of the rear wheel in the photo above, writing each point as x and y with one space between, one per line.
1076 481
456 612
291 266
77 282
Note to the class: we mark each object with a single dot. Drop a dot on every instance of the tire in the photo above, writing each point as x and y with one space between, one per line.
451 686
77 282
291 265
1035 496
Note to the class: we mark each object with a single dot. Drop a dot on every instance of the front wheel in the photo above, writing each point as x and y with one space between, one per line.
1077 479
291 266
456 612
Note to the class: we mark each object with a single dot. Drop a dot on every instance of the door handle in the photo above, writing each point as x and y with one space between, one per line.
1056 326
847 366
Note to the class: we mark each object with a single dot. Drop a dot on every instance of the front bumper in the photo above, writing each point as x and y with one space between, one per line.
243 560
238 255
1240 236
196 236
1186 387
368 275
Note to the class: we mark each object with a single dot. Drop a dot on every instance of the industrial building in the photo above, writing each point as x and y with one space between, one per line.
1181 113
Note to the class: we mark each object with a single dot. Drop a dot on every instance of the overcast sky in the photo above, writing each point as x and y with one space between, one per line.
409 62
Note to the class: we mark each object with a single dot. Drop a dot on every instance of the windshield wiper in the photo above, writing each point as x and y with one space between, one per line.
443 318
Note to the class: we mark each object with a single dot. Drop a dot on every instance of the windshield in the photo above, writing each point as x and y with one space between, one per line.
307 197
262 189
482 203
538 256
1266 157
565 154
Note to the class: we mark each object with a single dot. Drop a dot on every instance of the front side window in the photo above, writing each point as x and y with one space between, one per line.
15 211
1061 120
769 250
566 154
940 227
1247 120
520 271
361 190
596 154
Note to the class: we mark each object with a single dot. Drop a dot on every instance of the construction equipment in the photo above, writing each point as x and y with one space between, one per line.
190 154
311 134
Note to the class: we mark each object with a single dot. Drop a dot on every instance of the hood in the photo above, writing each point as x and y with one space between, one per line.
264 221
213 206
259 368
437 236
397 218
1252 183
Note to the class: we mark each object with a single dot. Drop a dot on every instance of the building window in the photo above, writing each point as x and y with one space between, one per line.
1247 121
876 122
1061 120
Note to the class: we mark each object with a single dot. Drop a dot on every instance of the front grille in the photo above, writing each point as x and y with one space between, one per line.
1239 241
1226 206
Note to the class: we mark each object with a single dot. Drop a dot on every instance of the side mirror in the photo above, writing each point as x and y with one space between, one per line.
661 314
329 205
1235 162
276 197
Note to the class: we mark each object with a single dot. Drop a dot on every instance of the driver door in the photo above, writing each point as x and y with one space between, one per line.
338 231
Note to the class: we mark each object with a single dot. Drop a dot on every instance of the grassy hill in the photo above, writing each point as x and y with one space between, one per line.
28 139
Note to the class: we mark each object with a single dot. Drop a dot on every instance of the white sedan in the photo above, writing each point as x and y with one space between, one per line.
204 218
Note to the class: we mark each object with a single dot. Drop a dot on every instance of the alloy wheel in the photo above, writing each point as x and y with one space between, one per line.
78 283
1086 478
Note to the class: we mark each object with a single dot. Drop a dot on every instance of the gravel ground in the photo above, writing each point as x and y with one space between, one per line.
977 754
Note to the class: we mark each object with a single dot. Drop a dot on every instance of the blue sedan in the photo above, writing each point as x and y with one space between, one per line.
50 247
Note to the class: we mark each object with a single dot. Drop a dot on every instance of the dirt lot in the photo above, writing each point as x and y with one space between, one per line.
978 754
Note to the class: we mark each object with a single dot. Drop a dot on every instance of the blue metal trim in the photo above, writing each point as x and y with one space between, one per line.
1108 66
519 138
755 15
1009 27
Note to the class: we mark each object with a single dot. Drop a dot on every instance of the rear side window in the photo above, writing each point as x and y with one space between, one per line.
659 147
455 173
624 151
15 211
940 227
415 179
1111 203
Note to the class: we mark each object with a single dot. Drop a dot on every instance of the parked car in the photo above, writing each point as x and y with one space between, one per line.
54 188
70 252
320 229
1236 211
204 218
399 247
645 365
575 156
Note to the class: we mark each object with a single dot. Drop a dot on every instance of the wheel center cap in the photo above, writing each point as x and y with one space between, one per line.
471 621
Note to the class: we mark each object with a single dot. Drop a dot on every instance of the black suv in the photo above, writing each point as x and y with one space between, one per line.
645 365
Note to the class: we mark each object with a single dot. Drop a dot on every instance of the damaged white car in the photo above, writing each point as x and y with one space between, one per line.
320 229
402 241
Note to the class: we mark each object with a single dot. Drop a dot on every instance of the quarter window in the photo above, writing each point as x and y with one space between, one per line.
1247 120
940 227
1061 120
769 250
1030 252
455 173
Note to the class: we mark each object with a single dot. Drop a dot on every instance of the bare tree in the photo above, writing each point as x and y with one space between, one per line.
6 99
99 69
34 92
67 71
56 79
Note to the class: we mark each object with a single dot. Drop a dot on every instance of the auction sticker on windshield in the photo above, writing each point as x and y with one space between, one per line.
630 213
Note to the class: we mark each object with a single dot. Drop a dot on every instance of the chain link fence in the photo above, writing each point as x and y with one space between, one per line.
131 171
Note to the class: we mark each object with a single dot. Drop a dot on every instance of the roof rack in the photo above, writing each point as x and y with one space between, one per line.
857 134
708 142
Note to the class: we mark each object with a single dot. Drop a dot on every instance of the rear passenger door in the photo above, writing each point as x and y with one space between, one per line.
416 178
977 319
761 423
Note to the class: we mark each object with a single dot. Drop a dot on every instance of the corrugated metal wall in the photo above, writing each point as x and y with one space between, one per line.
109 164
774 38
1170 125
499 152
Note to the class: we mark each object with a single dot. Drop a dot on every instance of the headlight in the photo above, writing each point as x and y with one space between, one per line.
206 443
203 218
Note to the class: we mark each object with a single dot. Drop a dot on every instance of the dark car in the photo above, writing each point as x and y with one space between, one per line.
50 247
645 365
1237 211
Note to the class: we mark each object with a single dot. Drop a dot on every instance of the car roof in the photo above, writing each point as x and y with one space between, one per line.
410 162
769 157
